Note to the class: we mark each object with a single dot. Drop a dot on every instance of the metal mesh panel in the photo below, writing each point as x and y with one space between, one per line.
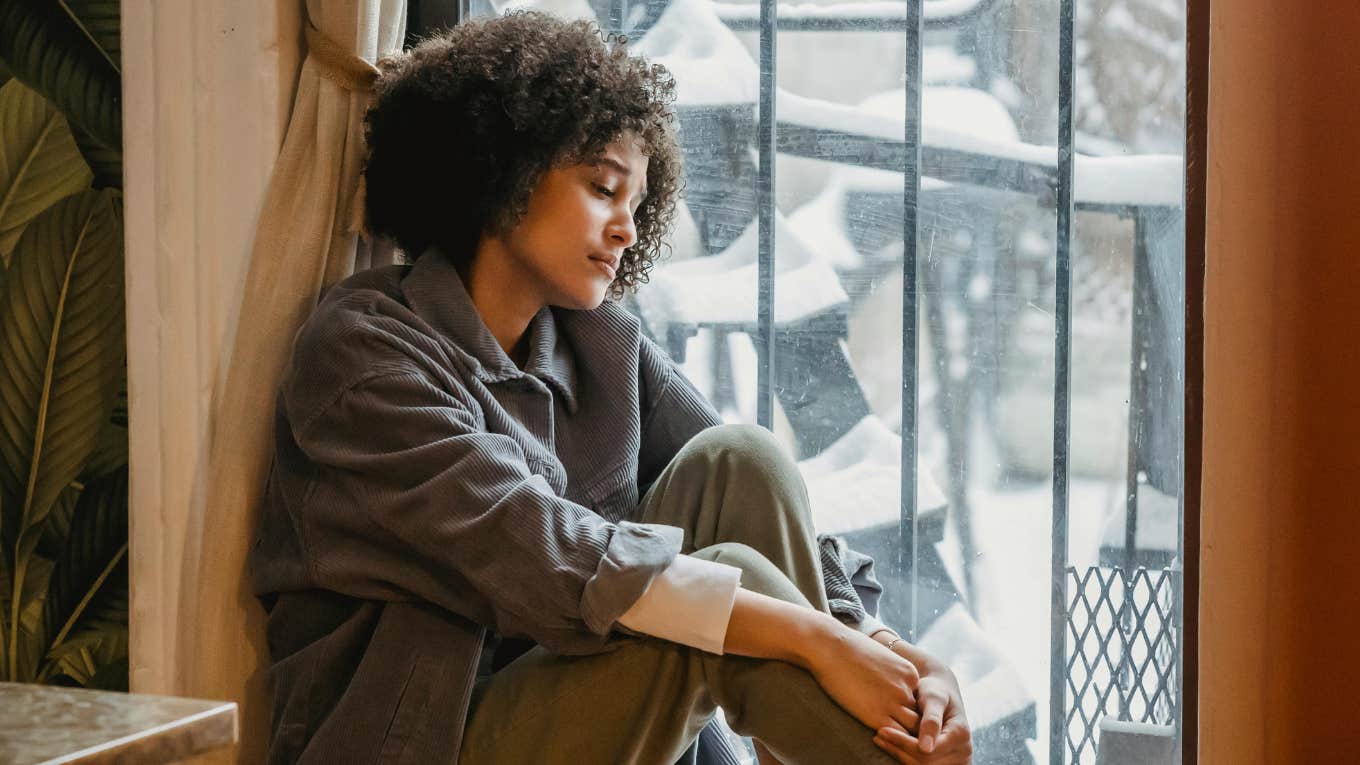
1121 660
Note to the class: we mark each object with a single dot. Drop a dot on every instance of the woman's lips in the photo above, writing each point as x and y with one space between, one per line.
608 266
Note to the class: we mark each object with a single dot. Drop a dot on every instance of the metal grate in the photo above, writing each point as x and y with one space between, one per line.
1122 651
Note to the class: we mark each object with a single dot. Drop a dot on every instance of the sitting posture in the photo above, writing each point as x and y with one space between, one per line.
500 525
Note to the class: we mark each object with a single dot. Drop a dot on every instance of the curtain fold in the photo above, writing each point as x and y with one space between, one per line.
305 241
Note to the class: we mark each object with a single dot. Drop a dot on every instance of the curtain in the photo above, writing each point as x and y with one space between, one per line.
306 240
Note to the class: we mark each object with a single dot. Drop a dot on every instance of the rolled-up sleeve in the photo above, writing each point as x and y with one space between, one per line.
690 602
420 500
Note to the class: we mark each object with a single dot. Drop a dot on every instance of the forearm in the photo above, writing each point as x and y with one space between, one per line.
924 662
768 628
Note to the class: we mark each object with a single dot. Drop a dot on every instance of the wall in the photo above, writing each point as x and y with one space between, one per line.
1280 597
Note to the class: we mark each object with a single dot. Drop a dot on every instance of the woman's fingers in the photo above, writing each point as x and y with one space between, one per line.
913 676
933 703
896 752
951 748
907 718
897 737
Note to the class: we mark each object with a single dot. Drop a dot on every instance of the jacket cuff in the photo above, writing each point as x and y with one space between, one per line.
637 552
689 603
870 624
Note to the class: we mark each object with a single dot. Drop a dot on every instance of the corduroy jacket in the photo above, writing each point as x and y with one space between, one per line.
425 490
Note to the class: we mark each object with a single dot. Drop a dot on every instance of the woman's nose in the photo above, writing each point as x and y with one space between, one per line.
623 231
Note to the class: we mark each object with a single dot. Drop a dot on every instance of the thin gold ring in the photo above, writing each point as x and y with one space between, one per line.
892 642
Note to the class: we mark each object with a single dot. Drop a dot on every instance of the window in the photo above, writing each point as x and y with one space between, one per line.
992 191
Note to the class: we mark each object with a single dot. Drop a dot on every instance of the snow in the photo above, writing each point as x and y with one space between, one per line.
1147 179
990 684
856 483
723 289
941 9
1158 522
967 111
709 63
934 9
951 117
711 66
821 224
941 65
963 109
968 120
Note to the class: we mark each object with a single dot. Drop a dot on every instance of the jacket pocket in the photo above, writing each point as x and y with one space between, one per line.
413 708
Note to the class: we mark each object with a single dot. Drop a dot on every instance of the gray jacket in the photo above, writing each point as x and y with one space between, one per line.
424 490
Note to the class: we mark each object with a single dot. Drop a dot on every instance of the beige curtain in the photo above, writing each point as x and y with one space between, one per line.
306 240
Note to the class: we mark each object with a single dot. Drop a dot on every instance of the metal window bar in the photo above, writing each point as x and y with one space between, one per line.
909 161
908 546
765 207
1062 388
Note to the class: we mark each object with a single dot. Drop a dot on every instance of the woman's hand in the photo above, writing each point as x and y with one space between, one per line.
875 685
943 736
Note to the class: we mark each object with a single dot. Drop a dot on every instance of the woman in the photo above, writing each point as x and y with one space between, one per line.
501 526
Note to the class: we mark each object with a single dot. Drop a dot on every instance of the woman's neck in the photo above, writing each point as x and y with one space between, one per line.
497 290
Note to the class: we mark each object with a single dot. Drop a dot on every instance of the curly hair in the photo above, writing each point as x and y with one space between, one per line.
464 125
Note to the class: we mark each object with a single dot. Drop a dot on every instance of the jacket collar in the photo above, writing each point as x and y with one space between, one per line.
435 293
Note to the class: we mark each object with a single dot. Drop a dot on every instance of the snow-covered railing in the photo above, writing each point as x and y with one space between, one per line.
876 15
953 150
1102 183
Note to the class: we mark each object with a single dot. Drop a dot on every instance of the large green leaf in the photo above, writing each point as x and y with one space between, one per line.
43 46
96 545
106 163
6 594
99 638
61 352
58 524
98 21
28 640
87 658
111 450
112 676
39 160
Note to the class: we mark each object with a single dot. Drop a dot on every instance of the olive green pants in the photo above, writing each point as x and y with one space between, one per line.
740 501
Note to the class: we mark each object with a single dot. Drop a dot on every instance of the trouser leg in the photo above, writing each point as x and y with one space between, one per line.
741 502
734 483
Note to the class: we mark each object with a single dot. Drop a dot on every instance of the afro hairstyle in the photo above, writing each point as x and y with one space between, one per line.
464 124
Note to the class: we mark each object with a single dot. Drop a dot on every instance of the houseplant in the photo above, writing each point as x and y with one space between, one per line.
63 380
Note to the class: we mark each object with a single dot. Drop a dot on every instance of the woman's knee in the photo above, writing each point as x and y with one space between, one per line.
758 573
740 442
752 456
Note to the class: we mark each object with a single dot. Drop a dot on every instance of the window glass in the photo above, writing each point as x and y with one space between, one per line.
991 349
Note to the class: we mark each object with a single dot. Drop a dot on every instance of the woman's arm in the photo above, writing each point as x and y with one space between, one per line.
875 685
901 692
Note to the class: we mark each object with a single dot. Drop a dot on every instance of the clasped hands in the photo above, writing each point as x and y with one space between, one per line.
910 699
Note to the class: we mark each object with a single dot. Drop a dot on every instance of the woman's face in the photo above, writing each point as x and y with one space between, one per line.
567 246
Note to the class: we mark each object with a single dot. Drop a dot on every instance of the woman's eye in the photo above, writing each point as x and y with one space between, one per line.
604 190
